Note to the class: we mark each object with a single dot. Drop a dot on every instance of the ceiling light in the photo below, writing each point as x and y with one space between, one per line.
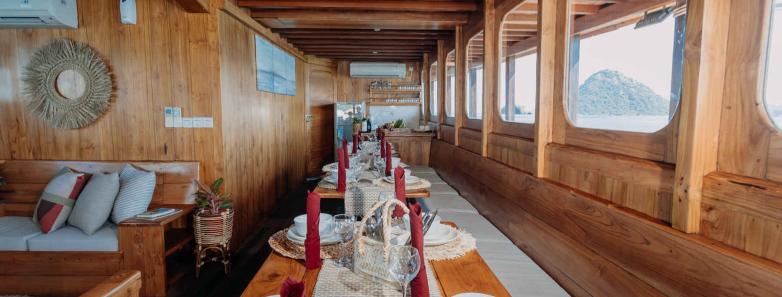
377 29
375 52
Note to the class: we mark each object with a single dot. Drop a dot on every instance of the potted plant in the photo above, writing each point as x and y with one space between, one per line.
213 223
357 122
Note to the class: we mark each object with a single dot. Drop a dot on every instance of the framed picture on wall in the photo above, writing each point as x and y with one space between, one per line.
275 68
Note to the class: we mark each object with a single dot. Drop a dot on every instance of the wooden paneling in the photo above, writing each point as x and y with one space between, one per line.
470 140
143 248
55 273
167 59
448 134
642 185
515 152
265 138
321 94
356 89
122 284
645 258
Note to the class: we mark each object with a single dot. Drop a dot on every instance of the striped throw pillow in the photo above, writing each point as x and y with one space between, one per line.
57 199
135 193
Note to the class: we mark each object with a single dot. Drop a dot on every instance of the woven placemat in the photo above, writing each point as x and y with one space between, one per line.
460 246
334 281
281 244
423 184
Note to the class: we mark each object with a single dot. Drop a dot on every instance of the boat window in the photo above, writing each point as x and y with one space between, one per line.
433 89
773 83
474 91
450 84
519 64
626 73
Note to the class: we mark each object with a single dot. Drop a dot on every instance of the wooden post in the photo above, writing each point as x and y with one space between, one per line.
440 83
491 53
552 60
701 104
425 88
510 88
460 47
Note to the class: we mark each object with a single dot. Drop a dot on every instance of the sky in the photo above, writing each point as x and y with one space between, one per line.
643 54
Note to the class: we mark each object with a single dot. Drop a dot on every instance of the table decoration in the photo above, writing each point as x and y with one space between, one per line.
419 286
341 172
312 242
399 190
292 288
212 224
371 255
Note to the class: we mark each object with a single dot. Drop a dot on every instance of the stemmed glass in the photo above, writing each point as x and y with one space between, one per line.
345 227
403 265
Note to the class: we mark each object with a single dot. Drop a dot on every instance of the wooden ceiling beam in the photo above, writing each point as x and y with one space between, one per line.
368 36
423 6
369 47
293 31
532 8
361 16
299 42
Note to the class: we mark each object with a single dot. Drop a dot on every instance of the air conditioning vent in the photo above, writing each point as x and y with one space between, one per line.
38 14
376 69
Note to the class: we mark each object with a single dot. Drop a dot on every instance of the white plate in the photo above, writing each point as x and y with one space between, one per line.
450 234
325 239
333 167
472 295
409 180
332 179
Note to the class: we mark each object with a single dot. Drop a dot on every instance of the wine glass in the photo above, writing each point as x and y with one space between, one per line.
404 263
344 226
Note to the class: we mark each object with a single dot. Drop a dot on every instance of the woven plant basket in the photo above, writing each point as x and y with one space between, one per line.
371 256
213 230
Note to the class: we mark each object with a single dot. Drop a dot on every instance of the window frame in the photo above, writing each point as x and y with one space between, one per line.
448 87
433 98
467 90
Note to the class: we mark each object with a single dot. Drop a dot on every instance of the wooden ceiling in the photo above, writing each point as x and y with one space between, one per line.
401 29
364 29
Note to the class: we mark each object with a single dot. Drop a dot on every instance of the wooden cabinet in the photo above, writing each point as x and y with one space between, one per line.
413 147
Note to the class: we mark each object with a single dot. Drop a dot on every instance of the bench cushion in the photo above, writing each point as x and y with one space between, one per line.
15 231
70 238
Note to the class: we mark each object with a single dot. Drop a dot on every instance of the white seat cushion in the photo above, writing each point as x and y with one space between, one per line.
70 238
15 231
451 202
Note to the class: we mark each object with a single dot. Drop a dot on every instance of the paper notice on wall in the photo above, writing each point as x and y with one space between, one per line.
187 122
168 115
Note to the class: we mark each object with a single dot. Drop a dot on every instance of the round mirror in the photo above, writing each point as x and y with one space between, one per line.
70 84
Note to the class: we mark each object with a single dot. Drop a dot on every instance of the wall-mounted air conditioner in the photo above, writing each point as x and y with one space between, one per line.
377 69
38 14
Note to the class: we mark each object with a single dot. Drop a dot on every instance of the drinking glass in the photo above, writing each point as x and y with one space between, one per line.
403 265
345 227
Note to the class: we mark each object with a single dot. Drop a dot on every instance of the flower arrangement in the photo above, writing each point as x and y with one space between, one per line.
359 120
212 200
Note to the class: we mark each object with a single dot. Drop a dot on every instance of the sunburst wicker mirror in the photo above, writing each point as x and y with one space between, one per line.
67 84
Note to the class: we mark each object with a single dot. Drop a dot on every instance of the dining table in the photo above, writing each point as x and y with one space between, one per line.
334 194
468 273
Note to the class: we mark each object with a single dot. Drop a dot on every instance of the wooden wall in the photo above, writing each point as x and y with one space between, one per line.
357 89
168 59
202 62
264 133
321 95
690 210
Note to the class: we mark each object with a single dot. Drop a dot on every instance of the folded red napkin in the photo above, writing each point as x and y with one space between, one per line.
346 153
388 159
399 188
355 143
312 241
419 287
382 148
377 133
292 288
341 171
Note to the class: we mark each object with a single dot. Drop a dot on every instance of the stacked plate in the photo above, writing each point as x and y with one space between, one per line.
298 232
409 180
438 233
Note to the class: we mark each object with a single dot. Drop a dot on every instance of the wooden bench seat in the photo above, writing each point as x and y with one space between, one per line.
143 246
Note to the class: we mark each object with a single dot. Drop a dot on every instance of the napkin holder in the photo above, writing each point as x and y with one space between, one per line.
371 255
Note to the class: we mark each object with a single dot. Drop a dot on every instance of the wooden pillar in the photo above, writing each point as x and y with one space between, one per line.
441 83
703 85
426 88
552 60
491 54
510 88
460 55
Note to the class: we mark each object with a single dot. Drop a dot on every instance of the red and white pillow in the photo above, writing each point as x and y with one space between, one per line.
58 198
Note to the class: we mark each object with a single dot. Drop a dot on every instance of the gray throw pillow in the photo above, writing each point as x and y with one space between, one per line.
135 193
95 202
